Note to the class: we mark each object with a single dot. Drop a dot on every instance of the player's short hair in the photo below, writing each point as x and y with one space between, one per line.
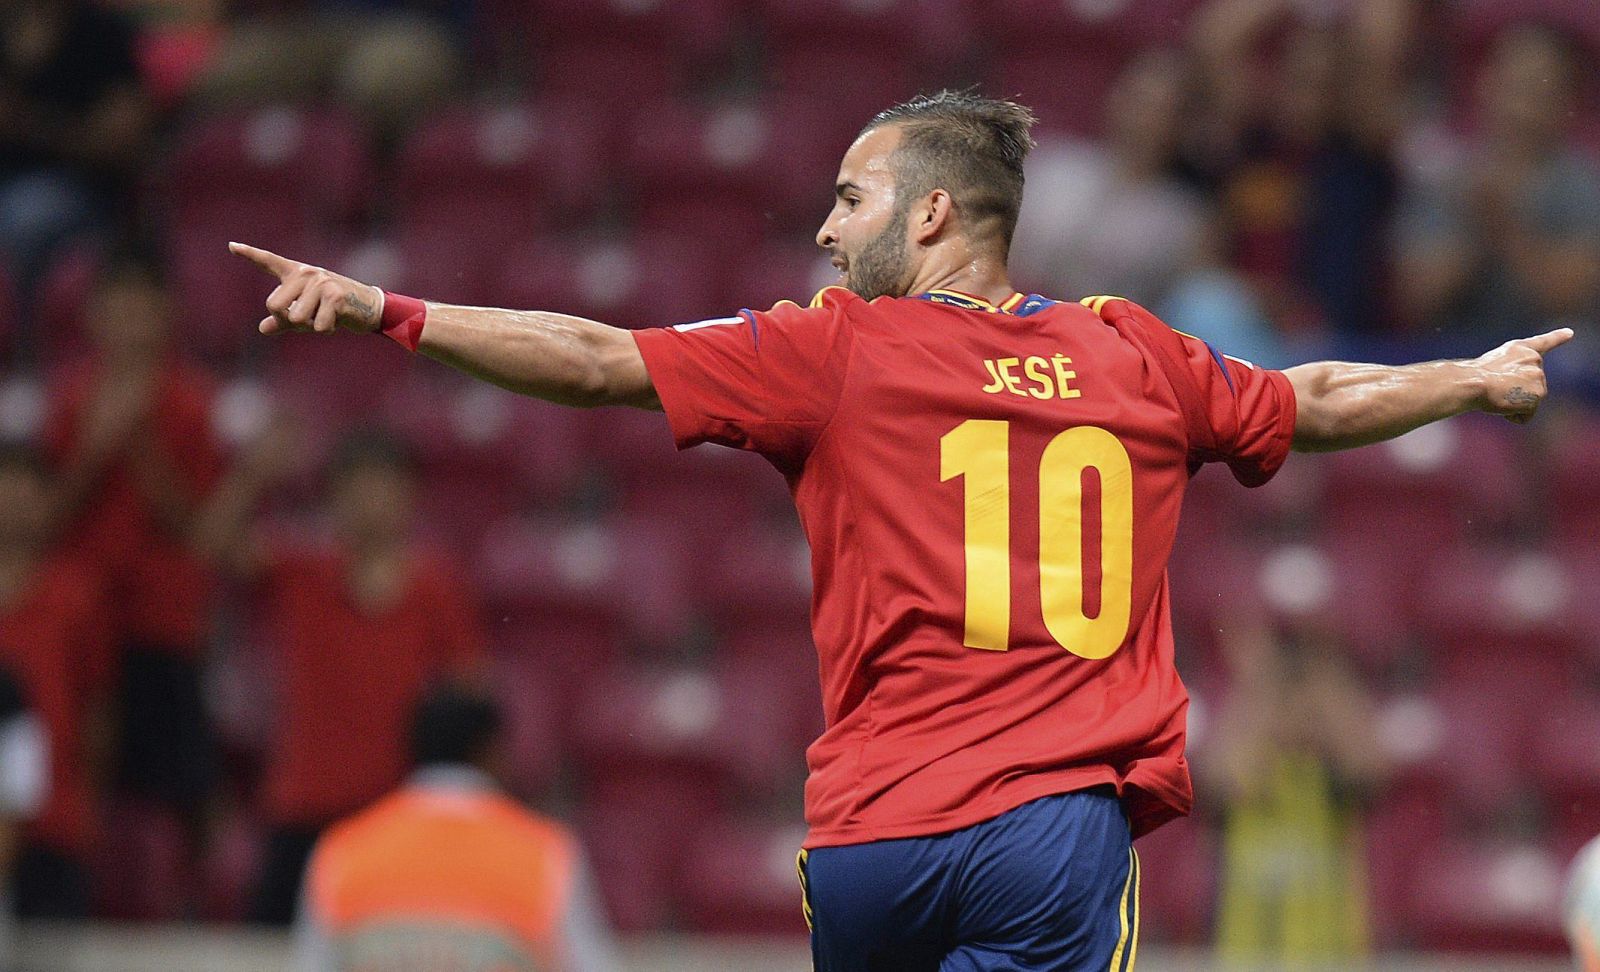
970 146
453 725
371 449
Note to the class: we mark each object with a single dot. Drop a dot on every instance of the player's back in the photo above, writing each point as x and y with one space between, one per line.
990 494
1007 485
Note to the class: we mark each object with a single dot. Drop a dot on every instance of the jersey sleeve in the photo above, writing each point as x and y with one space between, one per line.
1236 412
766 381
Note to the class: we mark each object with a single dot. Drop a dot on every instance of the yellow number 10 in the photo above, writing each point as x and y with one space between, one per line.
980 451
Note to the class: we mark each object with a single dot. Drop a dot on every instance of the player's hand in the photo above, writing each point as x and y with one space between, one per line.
1513 374
310 298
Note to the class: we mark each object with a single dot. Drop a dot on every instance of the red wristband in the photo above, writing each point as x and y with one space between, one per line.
402 320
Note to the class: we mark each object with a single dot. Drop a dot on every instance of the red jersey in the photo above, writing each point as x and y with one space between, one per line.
160 588
991 495
350 677
54 641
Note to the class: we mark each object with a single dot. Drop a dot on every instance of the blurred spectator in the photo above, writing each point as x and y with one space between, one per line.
1110 218
360 628
131 428
175 41
1581 908
53 636
1509 242
73 125
448 872
1213 301
1298 149
1293 760
388 61
24 784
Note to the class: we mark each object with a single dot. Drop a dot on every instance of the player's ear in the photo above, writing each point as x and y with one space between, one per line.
931 216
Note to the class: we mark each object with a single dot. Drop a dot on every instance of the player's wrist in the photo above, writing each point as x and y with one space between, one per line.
401 319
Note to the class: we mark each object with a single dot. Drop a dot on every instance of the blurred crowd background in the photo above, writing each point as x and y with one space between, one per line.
229 565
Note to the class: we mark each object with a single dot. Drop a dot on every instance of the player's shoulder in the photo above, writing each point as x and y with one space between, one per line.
1113 309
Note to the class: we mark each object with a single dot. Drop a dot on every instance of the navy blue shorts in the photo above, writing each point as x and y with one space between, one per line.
1052 885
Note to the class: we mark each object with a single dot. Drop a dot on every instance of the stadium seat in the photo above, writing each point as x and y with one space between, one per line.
850 26
1565 754
1178 875
1572 470
1483 759
533 713
1415 496
550 591
1066 88
740 879
501 170
333 384
1499 601
637 834
1486 893
288 180
693 29
784 270
616 71
643 281
755 570
1403 832
1072 27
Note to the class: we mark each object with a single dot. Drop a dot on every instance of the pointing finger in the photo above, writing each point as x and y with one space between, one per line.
278 266
1550 339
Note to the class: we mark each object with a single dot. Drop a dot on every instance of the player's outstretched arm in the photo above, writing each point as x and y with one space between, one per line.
1340 405
563 359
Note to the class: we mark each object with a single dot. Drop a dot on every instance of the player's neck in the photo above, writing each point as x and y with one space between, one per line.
967 271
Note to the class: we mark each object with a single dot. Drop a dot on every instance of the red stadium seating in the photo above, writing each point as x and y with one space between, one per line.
1066 88
1482 763
1416 496
1486 893
1072 27
740 879
551 597
785 270
502 170
1565 754
334 383
1499 601
1178 875
533 715
1572 469
287 180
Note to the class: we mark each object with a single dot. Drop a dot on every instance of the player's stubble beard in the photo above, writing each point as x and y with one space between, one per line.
882 269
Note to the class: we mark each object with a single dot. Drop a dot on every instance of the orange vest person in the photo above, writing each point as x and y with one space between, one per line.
448 872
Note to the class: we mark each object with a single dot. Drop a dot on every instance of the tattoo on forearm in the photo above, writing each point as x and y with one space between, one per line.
1520 396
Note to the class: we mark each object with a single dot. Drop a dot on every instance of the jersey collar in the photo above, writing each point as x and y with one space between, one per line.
956 298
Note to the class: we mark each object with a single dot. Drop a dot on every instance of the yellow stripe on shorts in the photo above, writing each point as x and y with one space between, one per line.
1122 913
805 892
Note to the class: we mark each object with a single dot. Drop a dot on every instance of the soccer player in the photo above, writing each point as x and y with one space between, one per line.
990 482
